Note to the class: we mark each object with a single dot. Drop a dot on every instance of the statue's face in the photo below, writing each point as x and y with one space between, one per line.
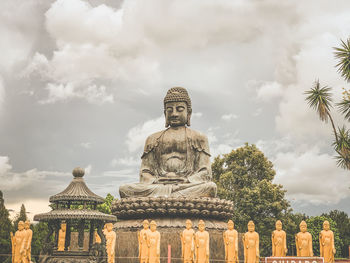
176 113
145 225
153 227
20 226
26 225
303 228
64 227
279 226
188 224
109 227
251 227
326 225
201 227
230 226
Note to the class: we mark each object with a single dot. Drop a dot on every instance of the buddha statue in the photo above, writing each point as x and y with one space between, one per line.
153 241
62 237
175 161
28 240
187 242
231 243
18 244
110 242
202 243
303 241
279 241
327 248
251 244
142 238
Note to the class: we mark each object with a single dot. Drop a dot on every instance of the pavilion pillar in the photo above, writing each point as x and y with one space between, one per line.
81 226
92 232
68 235
57 229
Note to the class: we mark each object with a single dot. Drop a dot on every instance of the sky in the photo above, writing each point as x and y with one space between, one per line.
82 84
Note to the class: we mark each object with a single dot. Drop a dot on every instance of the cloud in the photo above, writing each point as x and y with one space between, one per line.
311 177
269 90
126 161
86 145
33 207
229 117
137 135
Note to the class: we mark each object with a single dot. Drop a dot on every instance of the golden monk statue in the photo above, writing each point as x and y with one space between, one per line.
97 238
303 241
231 243
327 248
28 240
110 242
202 243
175 161
251 244
142 238
62 237
279 241
18 244
153 242
187 242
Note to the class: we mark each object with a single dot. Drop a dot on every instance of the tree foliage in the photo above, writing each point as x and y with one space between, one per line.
22 216
320 99
5 229
245 176
105 207
40 232
315 226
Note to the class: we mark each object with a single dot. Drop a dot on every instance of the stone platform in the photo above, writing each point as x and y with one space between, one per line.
170 229
151 207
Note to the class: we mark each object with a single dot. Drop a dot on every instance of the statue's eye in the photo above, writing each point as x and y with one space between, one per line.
169 109
180 108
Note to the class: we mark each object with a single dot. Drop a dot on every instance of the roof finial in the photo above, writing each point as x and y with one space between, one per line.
78 172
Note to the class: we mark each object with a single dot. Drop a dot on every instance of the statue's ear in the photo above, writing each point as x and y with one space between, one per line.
189 113
166 120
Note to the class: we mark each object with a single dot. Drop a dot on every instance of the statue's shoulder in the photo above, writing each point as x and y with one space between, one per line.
198 141
152 141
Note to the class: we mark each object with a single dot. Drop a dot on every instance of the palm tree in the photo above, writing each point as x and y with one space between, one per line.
320 99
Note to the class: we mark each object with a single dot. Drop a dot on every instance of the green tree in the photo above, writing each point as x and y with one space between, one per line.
342 221
314 227
40 232
320 99
245 176
106 206
22 216
5 229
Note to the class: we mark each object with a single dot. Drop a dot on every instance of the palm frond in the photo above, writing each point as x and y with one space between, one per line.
344 107
342 147
320 99
343 55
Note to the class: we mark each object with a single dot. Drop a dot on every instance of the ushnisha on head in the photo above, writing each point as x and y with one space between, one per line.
153 225
278 225
230 225
303 226
326 225
251 226
145 224
20 225
201 225
177 107
188 224
27 224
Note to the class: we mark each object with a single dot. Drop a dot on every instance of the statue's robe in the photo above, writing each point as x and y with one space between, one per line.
175 162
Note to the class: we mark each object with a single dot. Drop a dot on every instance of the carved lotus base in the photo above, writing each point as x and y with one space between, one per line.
150 207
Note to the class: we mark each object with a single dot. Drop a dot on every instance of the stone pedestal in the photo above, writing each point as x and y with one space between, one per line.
170 229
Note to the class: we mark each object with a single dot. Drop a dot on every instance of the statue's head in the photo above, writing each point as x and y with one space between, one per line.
326 225
230 225
278 225
145 224
188 224
201 225
26 224
64 227
109 227
177 107
303 226
153 225
20 225
251 226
